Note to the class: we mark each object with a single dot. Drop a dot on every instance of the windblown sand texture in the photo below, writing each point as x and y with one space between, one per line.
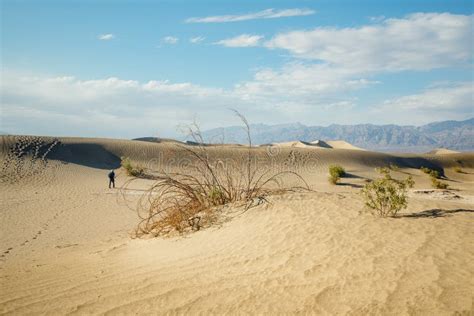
66 248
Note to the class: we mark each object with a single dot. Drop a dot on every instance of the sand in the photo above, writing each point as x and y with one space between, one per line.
331 144
66 247
340 144
443 151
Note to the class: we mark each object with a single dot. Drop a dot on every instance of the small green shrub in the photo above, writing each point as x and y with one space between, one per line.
438 184
393 167
216 195
383 170
335 173
458 170
386 196
425 170
434 174
134 171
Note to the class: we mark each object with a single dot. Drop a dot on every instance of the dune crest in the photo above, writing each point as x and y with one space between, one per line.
442 151
331 144
341 144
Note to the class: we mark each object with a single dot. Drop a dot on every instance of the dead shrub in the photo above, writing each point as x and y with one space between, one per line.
186 201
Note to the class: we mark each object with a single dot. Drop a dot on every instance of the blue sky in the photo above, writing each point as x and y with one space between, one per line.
135 68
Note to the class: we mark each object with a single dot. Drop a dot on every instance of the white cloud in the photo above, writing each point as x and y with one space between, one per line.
244 40
419 41
456 97
439 102
197 39
170 40
264 14
105 107
310 87
106 37
377 19
316 88
316 94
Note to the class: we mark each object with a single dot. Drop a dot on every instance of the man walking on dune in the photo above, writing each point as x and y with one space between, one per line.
112 178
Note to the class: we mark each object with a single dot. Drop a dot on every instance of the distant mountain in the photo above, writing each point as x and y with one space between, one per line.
455 135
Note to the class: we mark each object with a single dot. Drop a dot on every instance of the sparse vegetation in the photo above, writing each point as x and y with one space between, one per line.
425 170
335 173
394 167
386 196
131 170
438 184
434 175
458 170
191 199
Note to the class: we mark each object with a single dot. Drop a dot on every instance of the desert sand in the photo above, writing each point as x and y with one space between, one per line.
66 246
442 151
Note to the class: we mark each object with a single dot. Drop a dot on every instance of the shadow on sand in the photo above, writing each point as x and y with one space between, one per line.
90 155
435 213
353 185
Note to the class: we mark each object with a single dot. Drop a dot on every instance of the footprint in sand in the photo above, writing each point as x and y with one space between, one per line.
6 252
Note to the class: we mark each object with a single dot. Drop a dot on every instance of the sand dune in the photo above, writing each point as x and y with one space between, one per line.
443 151
66 247
321 143
340 144
332 144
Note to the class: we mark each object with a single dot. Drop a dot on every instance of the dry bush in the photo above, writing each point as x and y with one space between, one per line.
458 170
185 201
386 196
335 173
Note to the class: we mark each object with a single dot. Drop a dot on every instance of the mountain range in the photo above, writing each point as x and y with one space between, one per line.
455 135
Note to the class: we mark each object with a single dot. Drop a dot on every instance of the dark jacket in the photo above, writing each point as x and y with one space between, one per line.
111 175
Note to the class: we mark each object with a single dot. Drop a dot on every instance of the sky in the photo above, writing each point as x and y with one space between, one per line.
126 69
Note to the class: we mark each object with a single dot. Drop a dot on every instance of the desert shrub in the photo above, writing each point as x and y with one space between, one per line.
425 170
190 199
386 196
382 170
458 170
335 173
438 184
393 167
432 173
131 170
434 176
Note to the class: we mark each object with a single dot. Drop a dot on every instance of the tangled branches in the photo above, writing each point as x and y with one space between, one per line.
188 200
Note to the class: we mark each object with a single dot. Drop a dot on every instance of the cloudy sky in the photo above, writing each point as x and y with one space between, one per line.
143 68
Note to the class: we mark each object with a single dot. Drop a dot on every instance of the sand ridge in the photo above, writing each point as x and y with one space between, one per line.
443 151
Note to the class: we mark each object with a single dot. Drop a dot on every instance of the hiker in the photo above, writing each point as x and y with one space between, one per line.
112 178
